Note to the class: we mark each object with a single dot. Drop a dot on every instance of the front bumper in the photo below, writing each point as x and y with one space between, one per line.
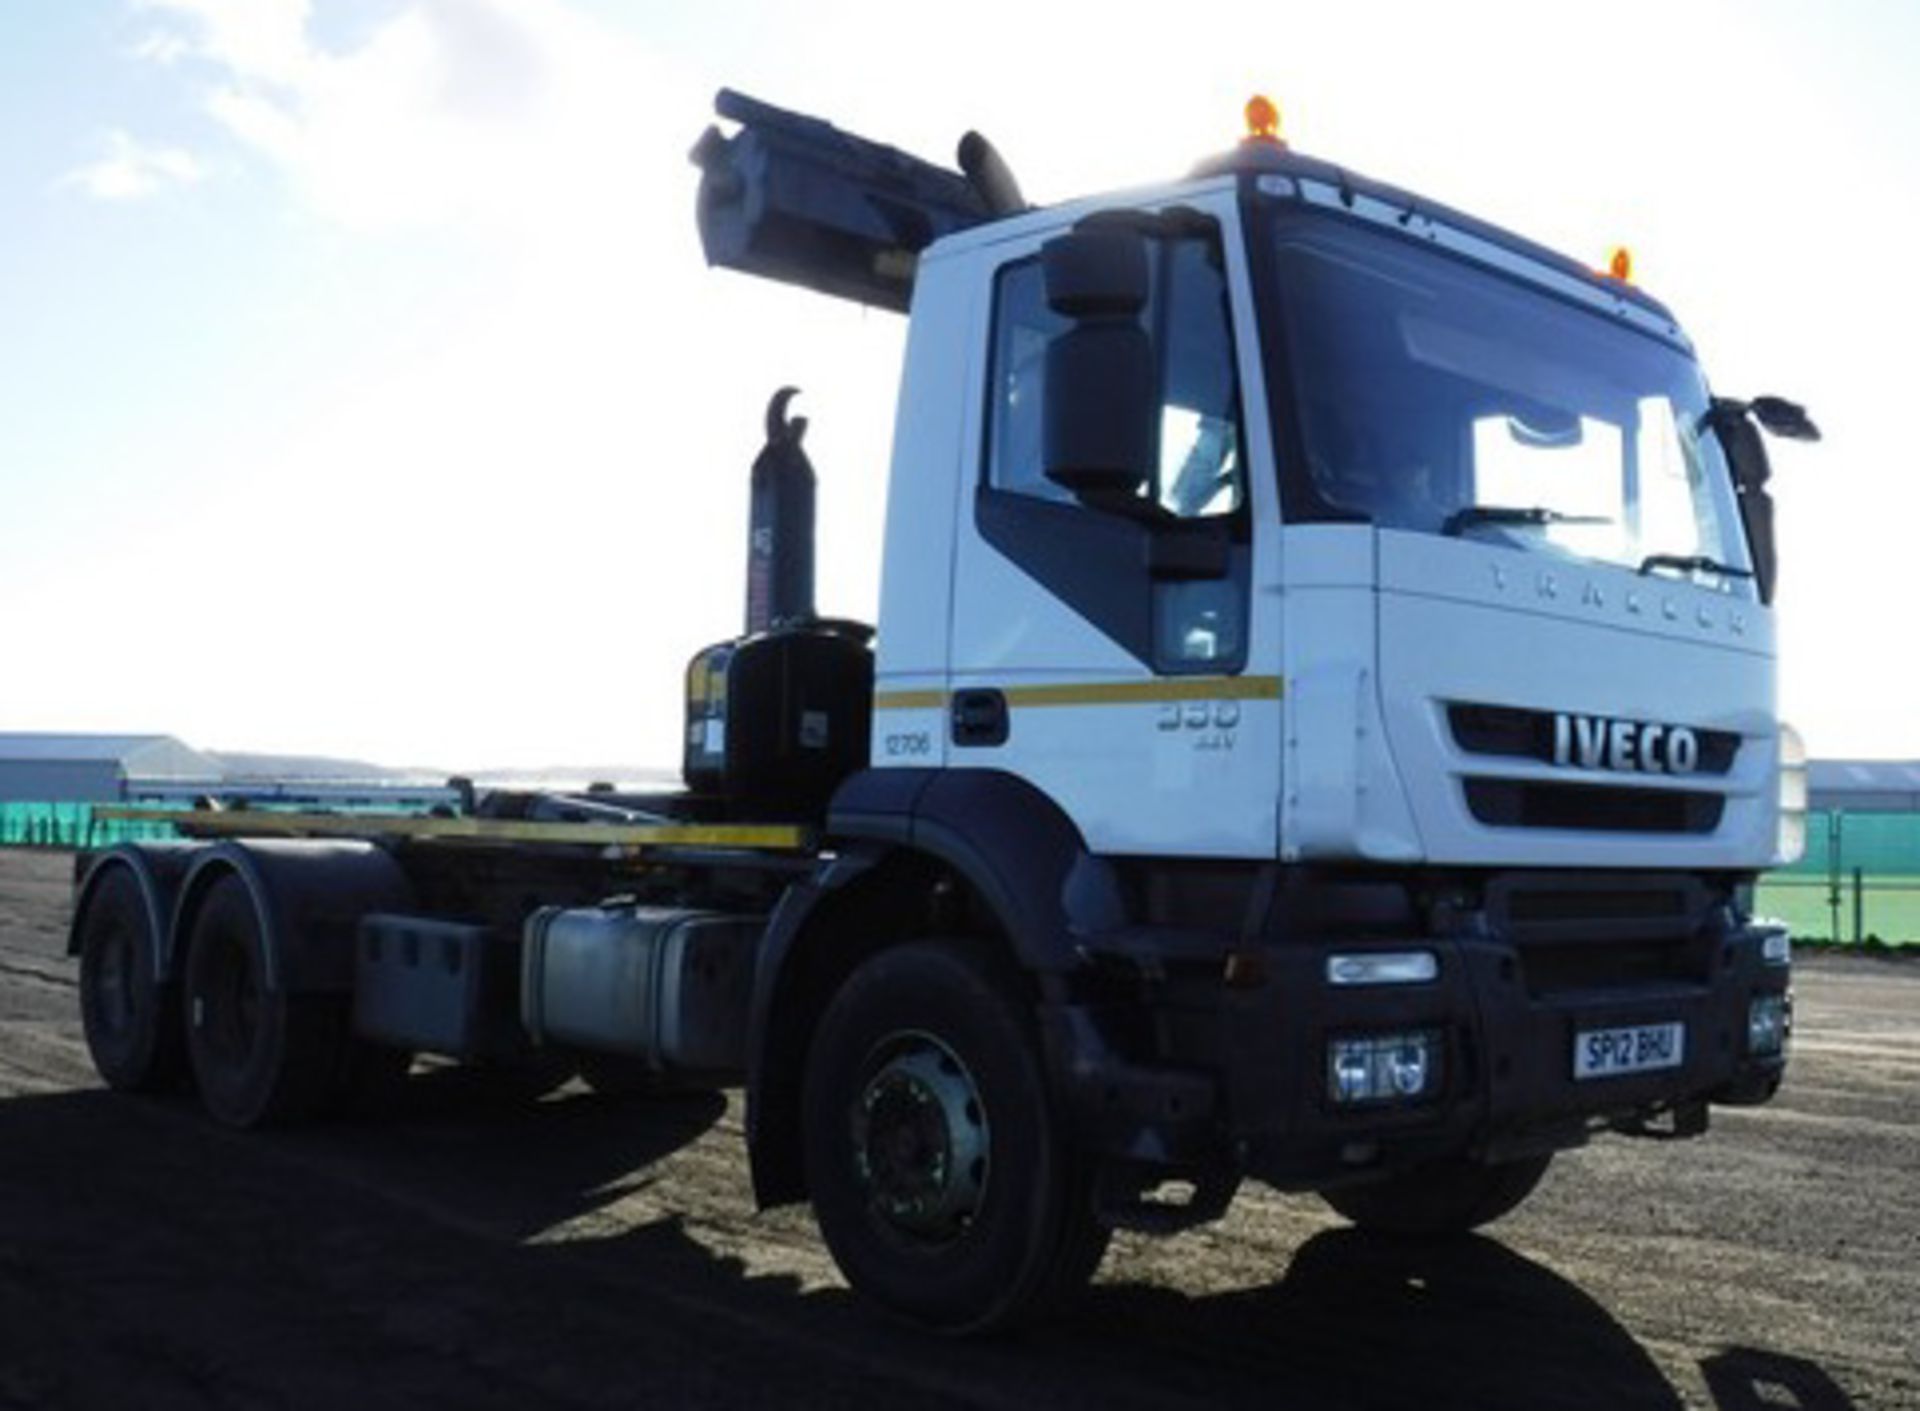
1254 1096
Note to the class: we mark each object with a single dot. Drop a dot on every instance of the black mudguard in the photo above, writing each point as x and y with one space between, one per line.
1011 843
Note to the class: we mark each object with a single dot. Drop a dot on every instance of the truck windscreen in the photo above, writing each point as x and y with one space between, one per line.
1436 396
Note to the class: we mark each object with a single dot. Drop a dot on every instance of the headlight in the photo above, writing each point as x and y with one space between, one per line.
1383 1067
1791 843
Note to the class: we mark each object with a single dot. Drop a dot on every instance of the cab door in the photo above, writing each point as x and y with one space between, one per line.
1120 660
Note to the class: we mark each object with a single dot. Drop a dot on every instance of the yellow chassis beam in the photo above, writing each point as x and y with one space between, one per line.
626 837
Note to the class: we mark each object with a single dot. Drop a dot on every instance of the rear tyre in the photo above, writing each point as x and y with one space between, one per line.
1441 1198
259 1055
940 1175
132 1021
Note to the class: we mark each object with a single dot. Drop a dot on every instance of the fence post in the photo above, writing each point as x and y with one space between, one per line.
1833 874
1859 931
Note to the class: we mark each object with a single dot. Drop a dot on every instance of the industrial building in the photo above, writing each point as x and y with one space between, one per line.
55 768
1864 785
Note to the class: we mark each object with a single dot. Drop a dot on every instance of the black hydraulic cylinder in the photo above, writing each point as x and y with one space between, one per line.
780 524
793 198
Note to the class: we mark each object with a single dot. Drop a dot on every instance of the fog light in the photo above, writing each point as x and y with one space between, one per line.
1398 967
1769 1022
1383 1067
1776 948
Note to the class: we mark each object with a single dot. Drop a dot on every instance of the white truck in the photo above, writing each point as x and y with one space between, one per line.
1320 729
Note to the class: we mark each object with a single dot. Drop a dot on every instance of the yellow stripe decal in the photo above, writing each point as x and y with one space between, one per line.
910 700
1158 690
263 823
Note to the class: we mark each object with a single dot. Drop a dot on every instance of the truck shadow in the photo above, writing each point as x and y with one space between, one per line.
1354 1321
420 1259
1746 1379
505 1154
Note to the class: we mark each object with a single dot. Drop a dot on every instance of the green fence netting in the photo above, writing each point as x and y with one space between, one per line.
1858 882
70 825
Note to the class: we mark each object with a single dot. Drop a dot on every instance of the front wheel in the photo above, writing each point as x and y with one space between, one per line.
939 1171
1442 1197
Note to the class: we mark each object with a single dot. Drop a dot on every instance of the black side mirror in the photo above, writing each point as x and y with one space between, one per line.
1738 424
1783 418
1099 423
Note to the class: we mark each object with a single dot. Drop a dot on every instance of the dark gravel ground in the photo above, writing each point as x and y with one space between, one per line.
471 1249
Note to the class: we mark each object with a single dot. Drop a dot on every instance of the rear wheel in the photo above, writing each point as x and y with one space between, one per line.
132 1021
1443 1197
259 1054
942 1180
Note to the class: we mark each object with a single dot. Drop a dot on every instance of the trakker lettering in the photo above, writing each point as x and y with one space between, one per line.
1593 742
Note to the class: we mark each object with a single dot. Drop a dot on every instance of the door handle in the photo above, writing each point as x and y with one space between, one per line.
979 717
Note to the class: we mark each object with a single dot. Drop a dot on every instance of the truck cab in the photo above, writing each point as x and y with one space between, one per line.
1397 582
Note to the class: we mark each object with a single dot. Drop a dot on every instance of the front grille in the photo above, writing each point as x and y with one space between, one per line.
1583 965
1533 906
1518 803
1515 733
1653 906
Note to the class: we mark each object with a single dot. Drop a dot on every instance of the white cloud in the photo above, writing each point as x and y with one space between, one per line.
451 112
265 39
131 170
162 48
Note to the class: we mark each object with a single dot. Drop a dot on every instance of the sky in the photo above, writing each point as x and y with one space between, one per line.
363 390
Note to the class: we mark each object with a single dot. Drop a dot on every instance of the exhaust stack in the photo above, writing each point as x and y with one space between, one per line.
780 524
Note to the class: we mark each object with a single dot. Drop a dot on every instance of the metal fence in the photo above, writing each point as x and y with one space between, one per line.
1858 884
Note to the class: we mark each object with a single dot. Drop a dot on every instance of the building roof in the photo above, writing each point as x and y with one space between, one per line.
1891 776
137 756
74 749
1864 785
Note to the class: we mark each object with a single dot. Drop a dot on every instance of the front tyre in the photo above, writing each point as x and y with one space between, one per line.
1440 1198
940 1175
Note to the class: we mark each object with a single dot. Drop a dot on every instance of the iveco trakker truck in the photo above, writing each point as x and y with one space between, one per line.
1319 729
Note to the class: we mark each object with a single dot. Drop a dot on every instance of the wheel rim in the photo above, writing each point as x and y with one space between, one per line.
228 1005
110 991
921 1142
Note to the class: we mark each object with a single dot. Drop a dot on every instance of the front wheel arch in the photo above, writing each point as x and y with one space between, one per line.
863 903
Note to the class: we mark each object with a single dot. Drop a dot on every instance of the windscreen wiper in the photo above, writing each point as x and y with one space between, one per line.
1513 514
1692 562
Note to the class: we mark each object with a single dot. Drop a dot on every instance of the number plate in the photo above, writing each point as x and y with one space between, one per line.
1635 1048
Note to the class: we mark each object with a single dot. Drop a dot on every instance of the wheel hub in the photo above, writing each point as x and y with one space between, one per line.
920 1138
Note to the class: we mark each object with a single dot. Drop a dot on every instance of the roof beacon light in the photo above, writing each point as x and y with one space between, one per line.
1620 264
1263 120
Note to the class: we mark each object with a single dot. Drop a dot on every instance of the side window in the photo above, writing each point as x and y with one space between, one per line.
1200 463
1023 325
1201 472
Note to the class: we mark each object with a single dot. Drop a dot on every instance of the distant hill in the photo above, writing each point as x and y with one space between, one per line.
578 776
241 766
247 766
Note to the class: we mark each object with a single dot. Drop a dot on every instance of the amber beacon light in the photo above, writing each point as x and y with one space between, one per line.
1620 264
1263 120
